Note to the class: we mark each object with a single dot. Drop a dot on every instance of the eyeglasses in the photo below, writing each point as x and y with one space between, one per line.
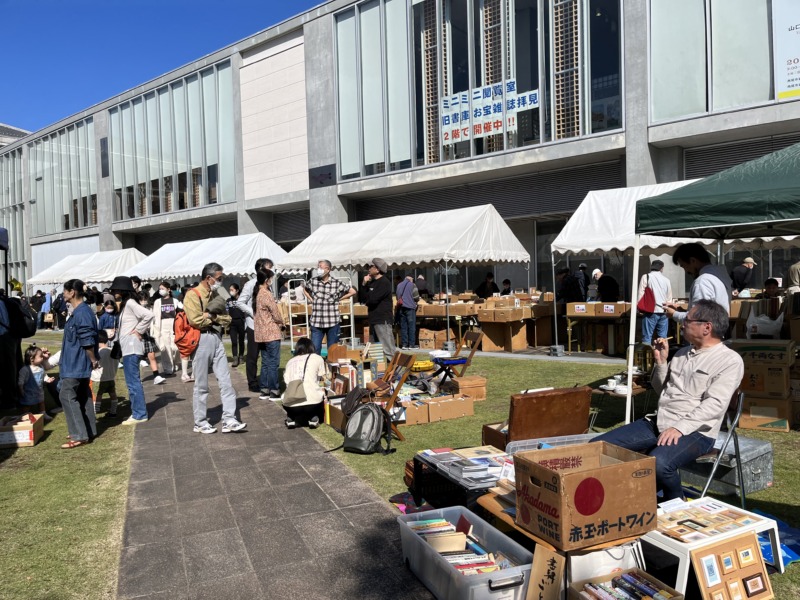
218 279
695 321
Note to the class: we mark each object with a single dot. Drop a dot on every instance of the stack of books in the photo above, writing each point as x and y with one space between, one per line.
626 585
459 547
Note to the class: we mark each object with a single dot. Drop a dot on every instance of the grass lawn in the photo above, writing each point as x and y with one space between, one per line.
63 511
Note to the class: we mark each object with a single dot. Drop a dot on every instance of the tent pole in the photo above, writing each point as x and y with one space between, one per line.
632 332
447 297
528 268
555 300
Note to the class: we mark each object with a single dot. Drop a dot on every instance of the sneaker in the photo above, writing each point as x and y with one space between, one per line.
313 423
264 397
159 379
265 391
232 426
204 428
290 424
186 378
133 421
109 416
144 364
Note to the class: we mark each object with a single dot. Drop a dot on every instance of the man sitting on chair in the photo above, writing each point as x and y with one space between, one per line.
694 389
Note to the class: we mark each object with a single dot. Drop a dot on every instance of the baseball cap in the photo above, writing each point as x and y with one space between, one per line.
582 266
749 260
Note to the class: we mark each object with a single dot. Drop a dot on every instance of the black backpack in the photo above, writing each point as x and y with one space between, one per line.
353 400
366 427
20 322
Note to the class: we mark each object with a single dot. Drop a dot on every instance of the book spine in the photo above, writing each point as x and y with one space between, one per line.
627 588
657 594
648 591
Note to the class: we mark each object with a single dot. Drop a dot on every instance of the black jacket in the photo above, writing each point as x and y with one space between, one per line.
377 295
741 276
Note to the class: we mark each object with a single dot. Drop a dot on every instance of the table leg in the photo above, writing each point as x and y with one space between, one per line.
416 493
775 542
684 565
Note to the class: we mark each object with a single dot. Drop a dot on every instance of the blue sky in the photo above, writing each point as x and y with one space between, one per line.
62 56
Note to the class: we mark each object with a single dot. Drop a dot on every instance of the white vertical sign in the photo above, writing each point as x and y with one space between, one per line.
786 48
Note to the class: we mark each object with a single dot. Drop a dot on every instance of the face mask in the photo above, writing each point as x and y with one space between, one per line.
162 292
320 272
215 286
110 310
143 303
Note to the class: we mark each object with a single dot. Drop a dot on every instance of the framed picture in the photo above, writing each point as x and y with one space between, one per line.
748 521
694 536
754 584
735 590
681 530
691 524
746 556
727 562
719 595
732 514
711 570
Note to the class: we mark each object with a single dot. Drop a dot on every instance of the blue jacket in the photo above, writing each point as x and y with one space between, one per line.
108 321
80 332
406 292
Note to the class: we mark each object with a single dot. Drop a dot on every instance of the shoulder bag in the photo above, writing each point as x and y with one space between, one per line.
295 392
647 303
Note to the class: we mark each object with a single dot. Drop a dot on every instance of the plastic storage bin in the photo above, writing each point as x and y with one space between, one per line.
561 440
444 581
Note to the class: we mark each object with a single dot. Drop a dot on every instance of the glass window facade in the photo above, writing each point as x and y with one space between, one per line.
425 81
699 62
12 212
63 180
173 148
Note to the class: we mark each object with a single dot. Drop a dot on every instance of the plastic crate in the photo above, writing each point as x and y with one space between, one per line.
561 440
444 580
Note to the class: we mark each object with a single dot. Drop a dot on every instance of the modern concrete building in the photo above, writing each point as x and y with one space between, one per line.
10 134
357 110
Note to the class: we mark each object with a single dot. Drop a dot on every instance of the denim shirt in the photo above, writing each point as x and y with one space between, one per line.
80 332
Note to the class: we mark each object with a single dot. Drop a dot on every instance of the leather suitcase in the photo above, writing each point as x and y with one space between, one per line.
563 411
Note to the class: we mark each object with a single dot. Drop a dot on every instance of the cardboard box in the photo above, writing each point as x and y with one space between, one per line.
473 386
765 381
416 412
766 352
504 337
766 414
502 302
612 309
463 310
541 310
443 408
576 587
506 315
587 494
21 431
581 309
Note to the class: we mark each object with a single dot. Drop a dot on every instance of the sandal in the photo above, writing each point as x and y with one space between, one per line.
73 444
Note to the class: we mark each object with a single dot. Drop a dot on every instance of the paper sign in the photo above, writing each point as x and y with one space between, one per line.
547 575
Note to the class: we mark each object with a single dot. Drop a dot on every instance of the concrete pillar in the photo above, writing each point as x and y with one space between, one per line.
324 203
639 169
668 164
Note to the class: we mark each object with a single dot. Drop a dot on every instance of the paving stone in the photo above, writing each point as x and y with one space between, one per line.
238 587
324 466
199 485
206 514
151 494
284 472
250 507
348 491
272 453
215 554
326 533
241 479
151 568
273 545
231 459
152 468
147 526
303 499
151 437
189 462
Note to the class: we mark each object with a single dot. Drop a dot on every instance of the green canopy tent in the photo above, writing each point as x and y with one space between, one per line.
757 202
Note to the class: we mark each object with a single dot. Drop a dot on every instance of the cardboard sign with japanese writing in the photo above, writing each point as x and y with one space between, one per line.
583 495
765 352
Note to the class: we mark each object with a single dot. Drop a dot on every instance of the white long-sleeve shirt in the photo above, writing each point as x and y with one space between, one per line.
713 283
245 303
661 286
134 317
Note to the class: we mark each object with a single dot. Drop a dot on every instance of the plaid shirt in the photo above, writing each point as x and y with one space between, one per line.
325 301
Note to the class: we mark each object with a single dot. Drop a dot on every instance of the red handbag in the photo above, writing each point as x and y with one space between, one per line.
647 303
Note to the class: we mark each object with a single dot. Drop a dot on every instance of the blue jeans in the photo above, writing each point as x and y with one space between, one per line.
655 323
130 366
270 361
317 333
408 324
642 436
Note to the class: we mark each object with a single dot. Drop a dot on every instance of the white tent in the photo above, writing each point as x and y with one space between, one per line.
92 268
237 255
475 235
606 220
